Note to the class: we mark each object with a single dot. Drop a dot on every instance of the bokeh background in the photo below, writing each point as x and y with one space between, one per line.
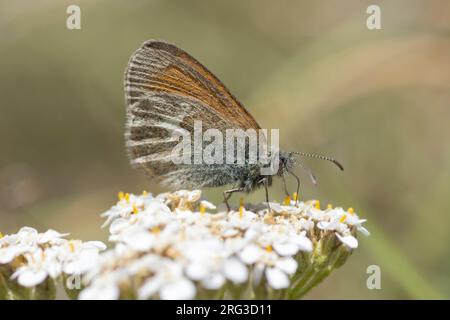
376 100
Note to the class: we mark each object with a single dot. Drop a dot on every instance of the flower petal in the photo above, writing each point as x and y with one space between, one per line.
140 241
196 271
349 241
50 235
363 230
180 290
303 243
285 248
208 205
287 264
29 278
235 270
194 195
149 288
250 254
100 292
276 278
213 282
118 225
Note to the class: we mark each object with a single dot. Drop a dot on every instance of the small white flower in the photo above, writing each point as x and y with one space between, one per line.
10 252
52 237
240 220
77 257
276 268
290 209
130 205
40 265
167 281
285 240
45 255
27 235
206 262
157 208
121 209
314 213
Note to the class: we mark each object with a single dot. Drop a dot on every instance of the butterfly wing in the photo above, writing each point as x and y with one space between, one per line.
167 90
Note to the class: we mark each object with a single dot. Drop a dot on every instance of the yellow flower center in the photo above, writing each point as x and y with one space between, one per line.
1 235
241 212
121 195
351 210
202 209
241 208
295 196
287 200
71 246
269 248
317 204
155 230
144 193
127 197
135 209
342 219
329 206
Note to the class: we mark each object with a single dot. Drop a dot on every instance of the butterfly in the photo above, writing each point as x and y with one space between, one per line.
166 91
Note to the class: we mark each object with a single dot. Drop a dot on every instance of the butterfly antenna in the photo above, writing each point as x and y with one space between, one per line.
318 156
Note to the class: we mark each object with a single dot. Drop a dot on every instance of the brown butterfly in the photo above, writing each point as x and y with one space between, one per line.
168 90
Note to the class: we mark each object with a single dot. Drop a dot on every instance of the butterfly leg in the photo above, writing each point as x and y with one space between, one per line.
266 186
285 187
227 194
298 185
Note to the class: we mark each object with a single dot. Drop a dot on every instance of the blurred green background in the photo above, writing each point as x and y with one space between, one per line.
376 100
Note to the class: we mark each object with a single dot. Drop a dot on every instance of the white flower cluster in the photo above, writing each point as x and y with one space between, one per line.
170 247
31 257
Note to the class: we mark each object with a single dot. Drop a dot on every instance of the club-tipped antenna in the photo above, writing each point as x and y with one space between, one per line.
318 156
